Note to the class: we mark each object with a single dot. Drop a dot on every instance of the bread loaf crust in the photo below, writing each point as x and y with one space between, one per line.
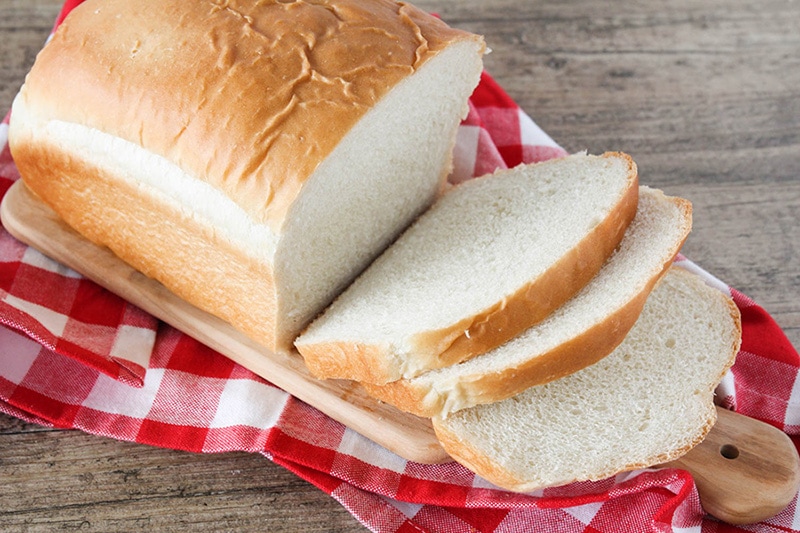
182 84
180 251
243 102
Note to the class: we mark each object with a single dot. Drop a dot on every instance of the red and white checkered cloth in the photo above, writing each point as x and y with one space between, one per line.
130 377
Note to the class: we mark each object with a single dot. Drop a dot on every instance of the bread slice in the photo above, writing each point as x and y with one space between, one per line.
579 333
492 257
254 157
647 403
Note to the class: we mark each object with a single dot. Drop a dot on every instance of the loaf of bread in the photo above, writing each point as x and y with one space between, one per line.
252 156
647 403
579 333
489 259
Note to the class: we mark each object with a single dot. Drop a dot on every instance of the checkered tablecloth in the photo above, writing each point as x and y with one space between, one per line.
129 378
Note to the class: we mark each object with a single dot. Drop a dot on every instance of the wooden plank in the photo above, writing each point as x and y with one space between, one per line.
68 480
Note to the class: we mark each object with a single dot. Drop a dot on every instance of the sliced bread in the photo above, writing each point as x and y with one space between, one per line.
648 402
579 333
490 258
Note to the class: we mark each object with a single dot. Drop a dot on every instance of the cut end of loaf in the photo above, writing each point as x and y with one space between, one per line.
389 168
648 402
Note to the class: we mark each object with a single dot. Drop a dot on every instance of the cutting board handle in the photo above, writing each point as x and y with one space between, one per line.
746 471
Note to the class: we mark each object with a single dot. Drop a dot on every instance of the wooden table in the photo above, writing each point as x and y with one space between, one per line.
705 94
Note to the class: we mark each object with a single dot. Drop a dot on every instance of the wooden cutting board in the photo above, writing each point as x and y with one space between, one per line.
745 470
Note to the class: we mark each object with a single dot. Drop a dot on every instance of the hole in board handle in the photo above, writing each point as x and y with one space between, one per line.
729 451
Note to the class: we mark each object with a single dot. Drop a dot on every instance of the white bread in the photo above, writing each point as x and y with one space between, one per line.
253 157
490 258
578 334
647 403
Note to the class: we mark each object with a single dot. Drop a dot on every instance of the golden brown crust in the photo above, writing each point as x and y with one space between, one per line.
329 359
292 77
188 257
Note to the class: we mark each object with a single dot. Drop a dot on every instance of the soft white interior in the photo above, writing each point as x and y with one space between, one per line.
651 397
383 174
478 244
650 241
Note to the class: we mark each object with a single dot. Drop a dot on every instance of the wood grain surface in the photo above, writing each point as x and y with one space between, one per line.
704 94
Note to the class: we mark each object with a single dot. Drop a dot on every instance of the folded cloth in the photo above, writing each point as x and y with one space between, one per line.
59 324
